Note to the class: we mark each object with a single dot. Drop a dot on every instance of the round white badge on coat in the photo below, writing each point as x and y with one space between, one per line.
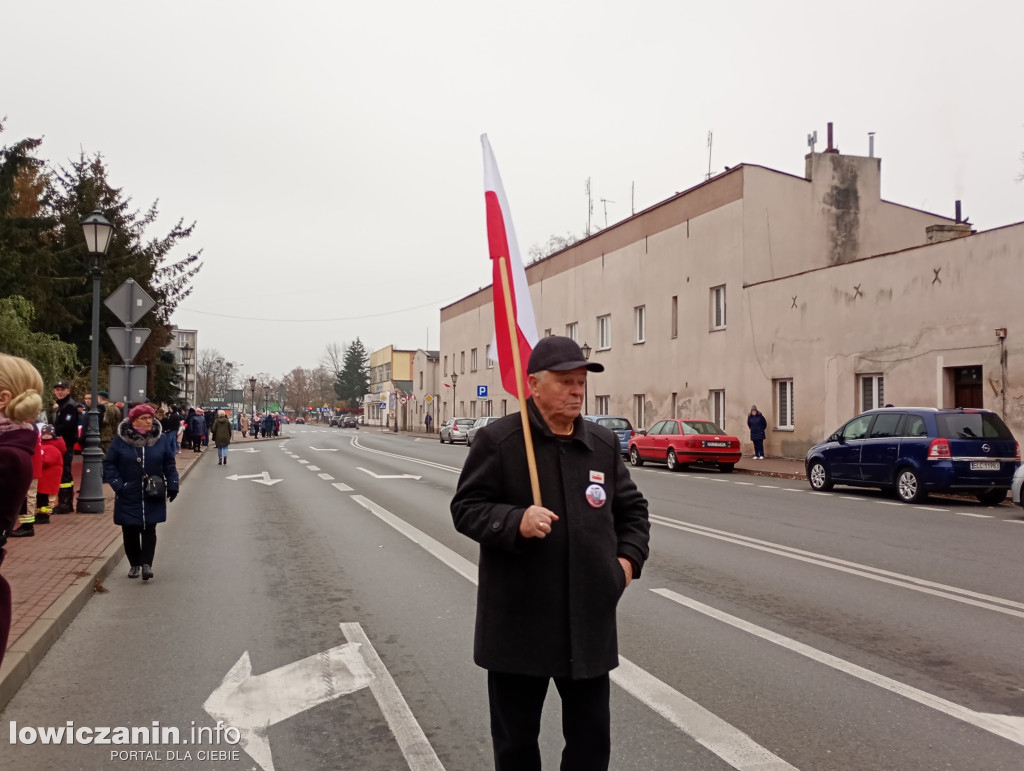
596 496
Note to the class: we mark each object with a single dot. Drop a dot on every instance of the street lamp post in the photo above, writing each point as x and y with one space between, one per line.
252 385
586 356
266 397
186 360
98 232
455 404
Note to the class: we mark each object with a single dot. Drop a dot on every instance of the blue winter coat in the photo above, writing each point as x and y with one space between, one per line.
757 424
123 468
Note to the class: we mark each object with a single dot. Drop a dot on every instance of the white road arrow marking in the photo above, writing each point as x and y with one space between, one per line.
324 449
387 476
263 478
254 703
342 486
235 449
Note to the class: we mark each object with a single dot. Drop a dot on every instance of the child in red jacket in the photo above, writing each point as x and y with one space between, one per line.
53 464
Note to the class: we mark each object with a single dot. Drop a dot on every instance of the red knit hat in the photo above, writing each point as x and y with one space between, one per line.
140 409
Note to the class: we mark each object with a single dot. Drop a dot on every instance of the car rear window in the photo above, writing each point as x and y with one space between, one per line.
465 423
700 427
615 424
972 425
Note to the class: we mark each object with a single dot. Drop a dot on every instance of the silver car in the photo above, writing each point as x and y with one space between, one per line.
480 423
455 429
1018 482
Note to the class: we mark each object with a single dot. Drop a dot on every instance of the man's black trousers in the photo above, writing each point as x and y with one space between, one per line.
516 704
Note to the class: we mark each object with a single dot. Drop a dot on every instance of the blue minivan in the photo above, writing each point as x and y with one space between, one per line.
621 426
913 451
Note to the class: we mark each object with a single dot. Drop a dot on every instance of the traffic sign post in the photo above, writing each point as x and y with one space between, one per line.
481 392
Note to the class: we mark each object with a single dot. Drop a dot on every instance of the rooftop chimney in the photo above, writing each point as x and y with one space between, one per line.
944 232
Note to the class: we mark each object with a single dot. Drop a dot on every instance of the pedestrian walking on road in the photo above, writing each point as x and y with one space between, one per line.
757 423
551 575
21 401
141 469
221 434
427 420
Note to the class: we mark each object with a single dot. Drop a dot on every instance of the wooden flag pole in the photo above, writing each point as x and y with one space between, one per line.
531 460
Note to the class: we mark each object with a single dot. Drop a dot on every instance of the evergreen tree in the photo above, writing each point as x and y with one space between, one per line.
354 379
53 359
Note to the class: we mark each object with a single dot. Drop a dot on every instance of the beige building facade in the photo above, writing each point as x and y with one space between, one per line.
810 297
390 388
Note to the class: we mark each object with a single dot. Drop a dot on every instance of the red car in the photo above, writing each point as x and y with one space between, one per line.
679 443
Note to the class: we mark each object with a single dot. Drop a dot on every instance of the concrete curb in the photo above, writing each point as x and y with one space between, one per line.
30 648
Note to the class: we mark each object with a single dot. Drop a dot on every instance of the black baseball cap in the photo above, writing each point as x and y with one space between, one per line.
559 354
61 384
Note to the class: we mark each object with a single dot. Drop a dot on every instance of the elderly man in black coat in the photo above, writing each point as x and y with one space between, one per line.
551 575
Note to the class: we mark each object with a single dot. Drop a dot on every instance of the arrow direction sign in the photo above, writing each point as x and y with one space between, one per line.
387 476
263 478
128 341
254 703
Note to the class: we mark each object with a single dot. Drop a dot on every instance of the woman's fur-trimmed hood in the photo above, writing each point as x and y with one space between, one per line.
132 436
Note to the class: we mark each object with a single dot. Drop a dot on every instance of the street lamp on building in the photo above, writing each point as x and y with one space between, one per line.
98 232
586 356
455 379
186 360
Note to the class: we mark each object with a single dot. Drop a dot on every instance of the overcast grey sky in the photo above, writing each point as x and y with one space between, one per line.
329 151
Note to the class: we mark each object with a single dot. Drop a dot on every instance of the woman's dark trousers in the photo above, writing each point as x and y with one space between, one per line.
139 544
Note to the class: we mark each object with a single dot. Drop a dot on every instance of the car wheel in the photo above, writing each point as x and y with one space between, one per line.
819 477
468 443
440 439
908 486
992 497
726 468
634 457
671 461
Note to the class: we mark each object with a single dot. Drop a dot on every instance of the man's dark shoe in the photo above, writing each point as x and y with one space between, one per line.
147 572
25 531
134 572
42 519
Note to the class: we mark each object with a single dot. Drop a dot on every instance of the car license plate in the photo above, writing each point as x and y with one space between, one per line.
716 444
984 465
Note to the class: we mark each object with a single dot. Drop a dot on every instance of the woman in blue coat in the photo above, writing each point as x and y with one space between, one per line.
139 450
757 424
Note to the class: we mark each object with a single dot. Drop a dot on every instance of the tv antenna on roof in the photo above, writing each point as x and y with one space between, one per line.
605 201
709 157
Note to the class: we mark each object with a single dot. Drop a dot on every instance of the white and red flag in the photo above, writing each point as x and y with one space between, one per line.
501 239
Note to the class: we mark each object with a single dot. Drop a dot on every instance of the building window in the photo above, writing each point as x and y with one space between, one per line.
547 333
601 406
639 417
872 392
472 409
572 331
718 307
504 407
488 408
675 316
472 360
604 332
639 323
784 404
717 402
462 362
490 361
446 366
675 406
421 380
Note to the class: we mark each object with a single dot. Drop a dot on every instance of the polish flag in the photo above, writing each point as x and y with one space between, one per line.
501 238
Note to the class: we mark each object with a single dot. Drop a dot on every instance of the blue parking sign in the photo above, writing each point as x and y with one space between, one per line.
481 392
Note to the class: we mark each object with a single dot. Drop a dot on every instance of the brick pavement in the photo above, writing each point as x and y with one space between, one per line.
54 573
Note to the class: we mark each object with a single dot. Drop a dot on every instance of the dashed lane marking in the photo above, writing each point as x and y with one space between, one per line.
328 477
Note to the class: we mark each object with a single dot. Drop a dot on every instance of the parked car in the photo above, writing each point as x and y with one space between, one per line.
621 426
455 429
1018 482
349 421
914 451
480 423
300 421
679 443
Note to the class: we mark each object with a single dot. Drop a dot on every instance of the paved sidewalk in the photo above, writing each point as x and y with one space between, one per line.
55 572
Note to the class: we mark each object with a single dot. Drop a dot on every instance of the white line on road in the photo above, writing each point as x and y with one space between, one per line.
769 487
413 742
851 498
931 508
743 483
328 477
355 443
313 468
342 486
731 744
827 495
793 490
988 602
889 503
387 476
303 461
1007 727
979 516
